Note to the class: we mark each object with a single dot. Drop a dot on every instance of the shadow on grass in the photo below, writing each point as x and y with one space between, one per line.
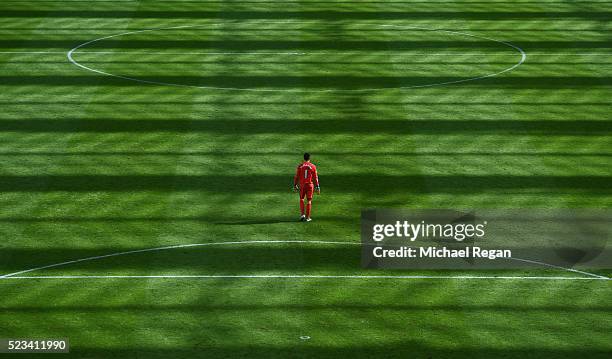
263 221
26 154
215 259
321 126
308 15
330 82
216 220
357 43
403 349
205 307
372 184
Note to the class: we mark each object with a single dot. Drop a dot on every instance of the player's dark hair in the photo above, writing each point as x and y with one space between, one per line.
306 156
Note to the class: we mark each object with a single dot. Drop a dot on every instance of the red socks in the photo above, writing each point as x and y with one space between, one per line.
308 207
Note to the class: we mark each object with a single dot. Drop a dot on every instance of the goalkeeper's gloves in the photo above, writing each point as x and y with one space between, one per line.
318 189
296 188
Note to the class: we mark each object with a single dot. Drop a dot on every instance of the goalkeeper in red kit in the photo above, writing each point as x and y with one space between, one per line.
306 181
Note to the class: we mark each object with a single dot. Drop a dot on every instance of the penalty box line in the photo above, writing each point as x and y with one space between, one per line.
19 274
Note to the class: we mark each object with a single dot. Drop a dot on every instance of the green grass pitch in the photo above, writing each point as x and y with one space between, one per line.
190 133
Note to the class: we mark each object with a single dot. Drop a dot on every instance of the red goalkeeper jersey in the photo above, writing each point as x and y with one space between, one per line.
306 174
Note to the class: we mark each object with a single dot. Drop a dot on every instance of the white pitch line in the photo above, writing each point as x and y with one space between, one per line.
17 275
279 276
520 51
559 267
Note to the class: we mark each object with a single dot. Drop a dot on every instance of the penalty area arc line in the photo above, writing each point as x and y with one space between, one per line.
523 56
19 274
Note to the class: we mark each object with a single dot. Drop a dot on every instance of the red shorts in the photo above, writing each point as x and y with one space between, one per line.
307 190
